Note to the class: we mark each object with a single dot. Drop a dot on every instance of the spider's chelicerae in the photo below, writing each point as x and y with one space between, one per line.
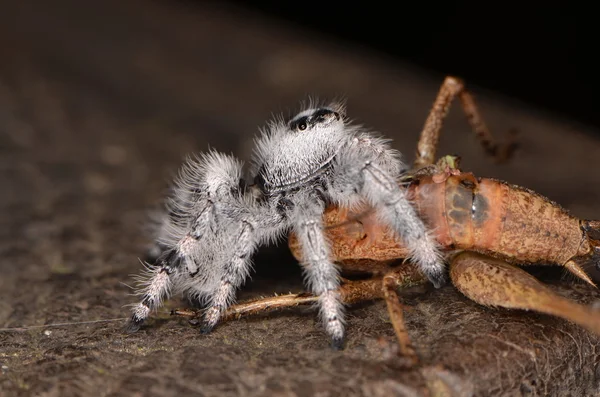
216 219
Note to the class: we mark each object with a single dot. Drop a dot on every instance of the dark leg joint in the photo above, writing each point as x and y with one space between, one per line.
206 329
438 280
169 260
337 343
133 325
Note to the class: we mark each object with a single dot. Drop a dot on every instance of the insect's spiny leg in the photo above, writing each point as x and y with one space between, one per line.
577 271
351 292
404 276
490 146
430 134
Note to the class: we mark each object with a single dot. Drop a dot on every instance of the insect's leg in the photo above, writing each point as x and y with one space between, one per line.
492 282
350 291
404 276
451 88
321 273
255 306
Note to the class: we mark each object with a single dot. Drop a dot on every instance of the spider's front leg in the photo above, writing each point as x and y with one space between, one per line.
359 169
321 273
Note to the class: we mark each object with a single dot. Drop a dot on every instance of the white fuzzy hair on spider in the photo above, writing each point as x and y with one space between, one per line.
216 219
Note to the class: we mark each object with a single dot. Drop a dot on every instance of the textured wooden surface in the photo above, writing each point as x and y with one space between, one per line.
100 102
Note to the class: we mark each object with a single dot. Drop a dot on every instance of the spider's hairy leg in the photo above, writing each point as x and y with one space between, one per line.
321 273
188 231
155 288
235 270
360 169
177 263
396 210
162 222
249 223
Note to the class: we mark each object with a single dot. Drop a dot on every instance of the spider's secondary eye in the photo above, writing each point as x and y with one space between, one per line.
302 126
325 115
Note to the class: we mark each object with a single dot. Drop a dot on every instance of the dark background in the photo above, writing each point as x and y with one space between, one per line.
542 53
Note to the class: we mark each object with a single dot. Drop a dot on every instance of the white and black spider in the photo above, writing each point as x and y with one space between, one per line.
216 219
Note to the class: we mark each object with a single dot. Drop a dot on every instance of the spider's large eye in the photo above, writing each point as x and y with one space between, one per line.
299 125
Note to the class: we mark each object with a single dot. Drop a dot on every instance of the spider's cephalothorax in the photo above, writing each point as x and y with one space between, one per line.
215 220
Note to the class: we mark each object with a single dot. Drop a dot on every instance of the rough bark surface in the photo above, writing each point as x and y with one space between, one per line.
99 103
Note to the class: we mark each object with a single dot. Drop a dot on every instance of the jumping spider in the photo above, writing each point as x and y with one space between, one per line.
216 219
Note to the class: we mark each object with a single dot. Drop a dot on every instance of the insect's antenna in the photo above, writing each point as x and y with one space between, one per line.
27 328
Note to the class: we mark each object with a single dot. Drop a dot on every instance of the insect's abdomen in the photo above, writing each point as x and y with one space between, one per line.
497 219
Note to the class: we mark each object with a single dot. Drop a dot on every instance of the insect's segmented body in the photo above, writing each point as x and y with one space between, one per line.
498 219
466 213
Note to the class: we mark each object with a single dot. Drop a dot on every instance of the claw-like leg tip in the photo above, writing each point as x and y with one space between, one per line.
438 280
337 343
206 329
133 325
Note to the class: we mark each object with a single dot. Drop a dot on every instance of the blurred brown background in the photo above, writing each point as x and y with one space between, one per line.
99 104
